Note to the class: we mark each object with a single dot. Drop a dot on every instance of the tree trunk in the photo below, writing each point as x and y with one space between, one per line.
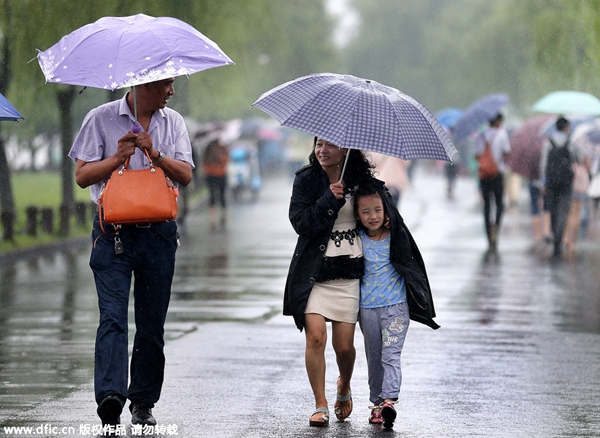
65 103
7 202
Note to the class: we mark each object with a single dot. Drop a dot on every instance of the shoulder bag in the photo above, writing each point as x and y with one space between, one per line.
487 165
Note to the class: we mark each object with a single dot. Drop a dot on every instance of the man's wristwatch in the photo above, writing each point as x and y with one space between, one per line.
161 156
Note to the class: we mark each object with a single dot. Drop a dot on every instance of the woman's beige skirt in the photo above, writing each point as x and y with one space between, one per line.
335 300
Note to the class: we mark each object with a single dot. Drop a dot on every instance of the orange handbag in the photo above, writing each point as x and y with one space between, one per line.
137 196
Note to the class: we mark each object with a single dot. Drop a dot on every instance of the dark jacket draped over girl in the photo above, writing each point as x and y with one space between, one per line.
408 262
313 211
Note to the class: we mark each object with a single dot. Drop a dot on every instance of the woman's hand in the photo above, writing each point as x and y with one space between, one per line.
337 189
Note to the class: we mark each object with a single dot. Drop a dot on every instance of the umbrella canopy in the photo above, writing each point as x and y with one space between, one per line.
478 113
448 117
549 128
7 111
526 144
119 52
568 102
357 113
588 132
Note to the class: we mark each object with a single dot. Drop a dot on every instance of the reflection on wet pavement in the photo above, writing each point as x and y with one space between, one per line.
48 312
503 314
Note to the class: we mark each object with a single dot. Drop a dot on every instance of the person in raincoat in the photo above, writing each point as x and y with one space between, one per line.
323 283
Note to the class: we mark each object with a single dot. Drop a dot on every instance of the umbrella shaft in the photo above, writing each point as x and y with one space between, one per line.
135 106
345 164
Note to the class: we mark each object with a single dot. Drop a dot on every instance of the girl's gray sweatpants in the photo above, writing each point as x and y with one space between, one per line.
384 330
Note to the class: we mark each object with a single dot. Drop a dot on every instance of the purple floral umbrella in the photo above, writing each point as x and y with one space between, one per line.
119 52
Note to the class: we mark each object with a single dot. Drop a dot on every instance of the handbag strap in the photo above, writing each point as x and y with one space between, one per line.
100 211
126 164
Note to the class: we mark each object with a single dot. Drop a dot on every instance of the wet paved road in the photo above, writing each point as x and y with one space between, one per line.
518 354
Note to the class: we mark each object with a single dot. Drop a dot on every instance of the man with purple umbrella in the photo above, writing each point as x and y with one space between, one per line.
145 53
103 144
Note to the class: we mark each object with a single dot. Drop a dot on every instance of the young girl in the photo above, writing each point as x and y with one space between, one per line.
393 266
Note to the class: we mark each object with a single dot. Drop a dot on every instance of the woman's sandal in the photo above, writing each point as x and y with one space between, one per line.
388 412
341 399
322 421
376 417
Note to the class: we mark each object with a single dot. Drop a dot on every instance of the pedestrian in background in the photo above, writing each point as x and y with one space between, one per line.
557 179
393 172
392 263
323 282
581 158
491 150
214 166
147 252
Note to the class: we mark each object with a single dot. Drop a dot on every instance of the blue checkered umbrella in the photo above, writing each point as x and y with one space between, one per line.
356 113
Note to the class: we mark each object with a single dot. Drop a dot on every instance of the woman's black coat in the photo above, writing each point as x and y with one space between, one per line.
313 211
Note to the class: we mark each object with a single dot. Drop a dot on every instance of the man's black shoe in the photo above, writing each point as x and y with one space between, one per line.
141 413
109 410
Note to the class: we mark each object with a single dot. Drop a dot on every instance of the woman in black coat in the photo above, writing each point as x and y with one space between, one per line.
323 282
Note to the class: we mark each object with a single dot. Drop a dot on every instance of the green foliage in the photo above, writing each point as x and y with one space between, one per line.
450 53
270 41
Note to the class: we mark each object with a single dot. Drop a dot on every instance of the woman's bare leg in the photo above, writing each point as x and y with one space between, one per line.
316 338
345 353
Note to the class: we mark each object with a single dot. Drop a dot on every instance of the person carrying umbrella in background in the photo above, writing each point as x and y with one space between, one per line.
392 171
556 173
491 150
214 167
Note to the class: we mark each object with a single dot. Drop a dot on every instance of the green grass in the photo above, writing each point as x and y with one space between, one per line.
44 189
40 189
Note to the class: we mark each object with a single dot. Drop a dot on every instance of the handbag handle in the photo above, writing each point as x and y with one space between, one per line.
126 164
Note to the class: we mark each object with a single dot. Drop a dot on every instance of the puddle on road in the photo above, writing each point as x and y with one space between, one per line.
48 312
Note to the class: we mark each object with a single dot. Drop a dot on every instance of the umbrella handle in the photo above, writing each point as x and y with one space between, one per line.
135 128
345 164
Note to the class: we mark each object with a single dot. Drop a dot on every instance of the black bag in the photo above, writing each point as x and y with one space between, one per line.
559 169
